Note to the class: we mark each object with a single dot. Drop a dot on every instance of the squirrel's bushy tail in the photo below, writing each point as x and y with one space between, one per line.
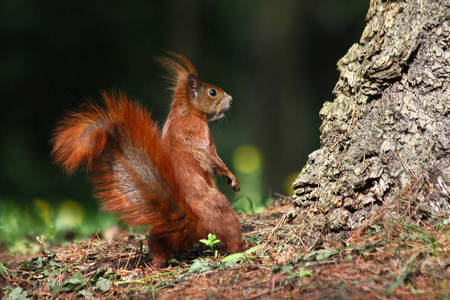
121 147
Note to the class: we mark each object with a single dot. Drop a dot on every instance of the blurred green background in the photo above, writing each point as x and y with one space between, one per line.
276 58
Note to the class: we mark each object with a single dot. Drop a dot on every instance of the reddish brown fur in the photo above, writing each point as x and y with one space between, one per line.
166 181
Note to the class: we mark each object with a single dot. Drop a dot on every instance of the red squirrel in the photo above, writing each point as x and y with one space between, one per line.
148 177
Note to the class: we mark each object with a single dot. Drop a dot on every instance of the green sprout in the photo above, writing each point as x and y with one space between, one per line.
210 242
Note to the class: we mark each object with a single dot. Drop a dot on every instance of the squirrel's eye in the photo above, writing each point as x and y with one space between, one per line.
212 92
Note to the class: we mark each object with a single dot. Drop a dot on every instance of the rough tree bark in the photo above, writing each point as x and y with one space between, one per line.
385 140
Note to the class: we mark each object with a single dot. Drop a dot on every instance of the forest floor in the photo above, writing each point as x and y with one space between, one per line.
391 260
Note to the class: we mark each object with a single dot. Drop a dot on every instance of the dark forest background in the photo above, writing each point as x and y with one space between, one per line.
276 58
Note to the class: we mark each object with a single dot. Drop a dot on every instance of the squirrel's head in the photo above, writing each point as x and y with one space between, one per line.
205 98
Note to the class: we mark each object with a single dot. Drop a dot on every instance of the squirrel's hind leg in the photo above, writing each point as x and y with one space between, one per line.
159 251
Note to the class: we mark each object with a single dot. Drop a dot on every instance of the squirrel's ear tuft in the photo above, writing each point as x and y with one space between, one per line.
178 67
193 82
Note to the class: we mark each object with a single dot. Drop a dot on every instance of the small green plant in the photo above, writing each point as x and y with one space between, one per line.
2 270
240 256
302 273
210 242
201 265
248 209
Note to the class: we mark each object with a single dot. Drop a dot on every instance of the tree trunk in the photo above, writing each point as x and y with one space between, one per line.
385 140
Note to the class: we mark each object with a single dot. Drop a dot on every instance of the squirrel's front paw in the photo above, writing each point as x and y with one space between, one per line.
234 183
